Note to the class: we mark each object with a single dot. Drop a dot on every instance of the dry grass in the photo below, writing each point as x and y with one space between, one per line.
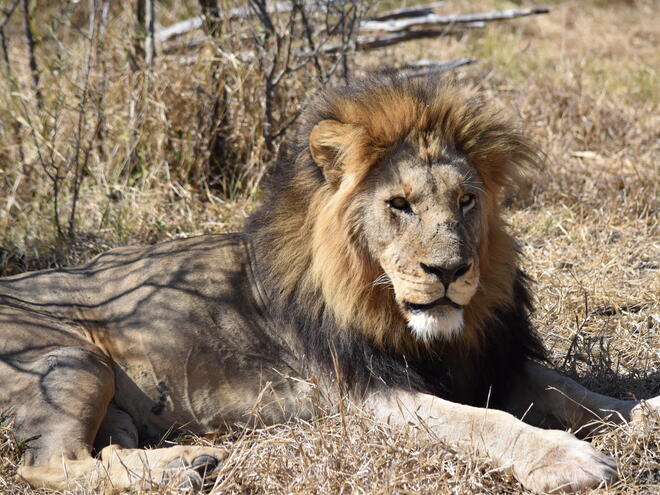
584 81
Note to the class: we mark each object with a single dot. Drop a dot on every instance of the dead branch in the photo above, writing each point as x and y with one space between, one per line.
219 120
180 28
178 46
363 43
101 56
397 25
402 13
311 43
423 68
82 151
193 23
16 126
31 44
187 25
211 15
149 42
145 46
7 15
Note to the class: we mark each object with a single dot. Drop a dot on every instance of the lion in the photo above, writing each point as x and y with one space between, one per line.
379 266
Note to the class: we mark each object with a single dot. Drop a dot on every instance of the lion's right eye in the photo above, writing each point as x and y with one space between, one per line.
467 202
399 203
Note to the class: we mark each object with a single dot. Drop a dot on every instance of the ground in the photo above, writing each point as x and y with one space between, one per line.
584 83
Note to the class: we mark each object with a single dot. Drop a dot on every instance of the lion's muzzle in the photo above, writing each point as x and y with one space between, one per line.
432 298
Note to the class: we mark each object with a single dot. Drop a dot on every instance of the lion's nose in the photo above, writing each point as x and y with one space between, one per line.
448 273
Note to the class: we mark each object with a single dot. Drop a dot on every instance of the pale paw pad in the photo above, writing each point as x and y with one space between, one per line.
646 409
567 465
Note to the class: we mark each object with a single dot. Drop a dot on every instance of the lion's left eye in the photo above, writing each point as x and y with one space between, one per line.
467 202
399 203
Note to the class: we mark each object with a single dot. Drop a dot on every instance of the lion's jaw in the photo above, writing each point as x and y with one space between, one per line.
431 311
444 322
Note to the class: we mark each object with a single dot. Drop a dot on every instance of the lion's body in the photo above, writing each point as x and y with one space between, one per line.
183 324
378 260
192 340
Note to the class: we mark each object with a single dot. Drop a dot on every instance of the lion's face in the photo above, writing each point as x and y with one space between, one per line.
422 223
407 199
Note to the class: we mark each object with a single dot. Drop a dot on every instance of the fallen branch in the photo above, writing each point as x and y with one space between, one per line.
176 46
402 13
392 21
187 25
364 43
397 25
429 67
180 28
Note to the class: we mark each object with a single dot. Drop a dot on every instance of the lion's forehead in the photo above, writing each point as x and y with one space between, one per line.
420 179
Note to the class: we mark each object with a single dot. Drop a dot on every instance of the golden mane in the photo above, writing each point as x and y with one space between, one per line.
318 256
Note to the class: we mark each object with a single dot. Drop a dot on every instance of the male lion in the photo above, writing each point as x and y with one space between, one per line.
379 259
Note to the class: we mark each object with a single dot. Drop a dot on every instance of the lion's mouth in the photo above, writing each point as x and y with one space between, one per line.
443 301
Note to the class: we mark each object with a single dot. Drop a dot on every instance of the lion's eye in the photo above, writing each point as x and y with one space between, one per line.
399 203
467 202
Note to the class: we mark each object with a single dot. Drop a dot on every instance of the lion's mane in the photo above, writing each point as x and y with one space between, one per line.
318 274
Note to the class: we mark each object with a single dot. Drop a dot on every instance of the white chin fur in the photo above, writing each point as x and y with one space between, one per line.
438 322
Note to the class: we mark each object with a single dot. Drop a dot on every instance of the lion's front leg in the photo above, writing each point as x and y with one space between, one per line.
542 460
545 397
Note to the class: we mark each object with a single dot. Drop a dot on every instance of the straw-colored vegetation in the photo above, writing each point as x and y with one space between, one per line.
584 81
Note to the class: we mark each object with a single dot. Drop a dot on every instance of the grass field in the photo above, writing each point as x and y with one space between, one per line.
584 81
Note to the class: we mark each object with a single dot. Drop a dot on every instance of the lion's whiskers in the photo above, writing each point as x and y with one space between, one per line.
384 280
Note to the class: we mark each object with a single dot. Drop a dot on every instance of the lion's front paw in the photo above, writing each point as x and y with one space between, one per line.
645 409
562 463
194 469
181 467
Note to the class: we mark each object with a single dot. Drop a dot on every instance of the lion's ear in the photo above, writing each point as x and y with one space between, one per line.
327 142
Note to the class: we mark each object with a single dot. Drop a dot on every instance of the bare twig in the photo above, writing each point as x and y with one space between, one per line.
81 150
279 52
219 120
31 44
8 12
16 126
101 56
47 162
309 38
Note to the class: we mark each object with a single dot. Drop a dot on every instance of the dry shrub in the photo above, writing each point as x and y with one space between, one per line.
103 137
